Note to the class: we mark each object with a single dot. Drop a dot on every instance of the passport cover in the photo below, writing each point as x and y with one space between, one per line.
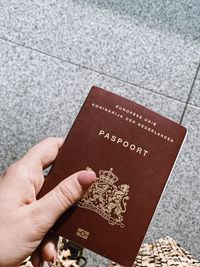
132 150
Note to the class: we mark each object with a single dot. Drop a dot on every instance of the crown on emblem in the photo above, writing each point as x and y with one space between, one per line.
108 176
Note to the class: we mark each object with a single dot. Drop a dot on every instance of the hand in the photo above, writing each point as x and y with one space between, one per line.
24 221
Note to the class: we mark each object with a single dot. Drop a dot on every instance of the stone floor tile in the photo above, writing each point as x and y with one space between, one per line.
152 44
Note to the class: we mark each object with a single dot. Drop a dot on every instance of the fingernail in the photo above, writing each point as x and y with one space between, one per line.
88 169
86 178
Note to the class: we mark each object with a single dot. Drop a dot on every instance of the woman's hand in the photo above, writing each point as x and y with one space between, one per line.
24 221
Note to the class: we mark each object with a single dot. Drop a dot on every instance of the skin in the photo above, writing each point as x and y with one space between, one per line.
25 221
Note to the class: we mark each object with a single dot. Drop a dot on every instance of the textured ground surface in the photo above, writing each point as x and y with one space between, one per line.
52 52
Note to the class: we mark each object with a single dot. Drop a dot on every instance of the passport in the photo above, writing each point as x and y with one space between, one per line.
132 149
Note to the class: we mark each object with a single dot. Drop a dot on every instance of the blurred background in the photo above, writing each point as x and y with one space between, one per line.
52 52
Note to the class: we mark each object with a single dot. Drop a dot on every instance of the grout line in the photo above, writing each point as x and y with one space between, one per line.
90 69
101 73
189 95
194 106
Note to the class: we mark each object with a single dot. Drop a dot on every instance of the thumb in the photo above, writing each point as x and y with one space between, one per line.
51 206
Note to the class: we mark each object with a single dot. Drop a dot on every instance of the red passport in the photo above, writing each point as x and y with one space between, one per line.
132 150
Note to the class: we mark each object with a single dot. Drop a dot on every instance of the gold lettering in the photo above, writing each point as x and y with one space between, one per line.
132 147
101 132
119 140
113 138
139 150
125 143
107 136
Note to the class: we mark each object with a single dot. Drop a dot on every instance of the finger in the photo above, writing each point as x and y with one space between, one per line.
30 166
50 207
48 248
43 153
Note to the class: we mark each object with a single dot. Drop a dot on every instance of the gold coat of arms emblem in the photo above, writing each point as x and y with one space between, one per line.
106 198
